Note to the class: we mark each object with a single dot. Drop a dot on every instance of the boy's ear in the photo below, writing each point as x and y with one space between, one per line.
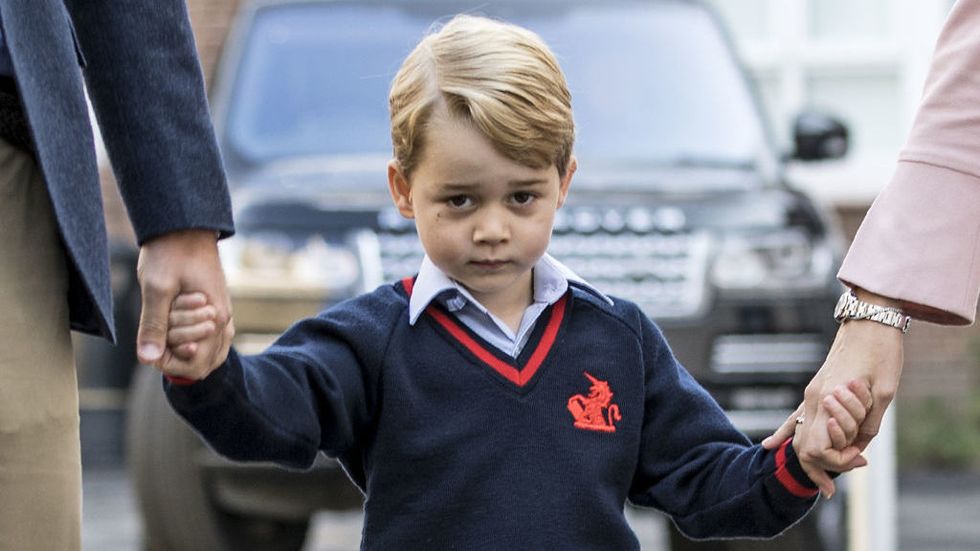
565 180
401 192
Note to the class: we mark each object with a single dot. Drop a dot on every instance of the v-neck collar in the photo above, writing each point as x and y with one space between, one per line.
518 371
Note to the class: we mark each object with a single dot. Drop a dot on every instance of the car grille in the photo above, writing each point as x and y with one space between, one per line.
626 252
778 353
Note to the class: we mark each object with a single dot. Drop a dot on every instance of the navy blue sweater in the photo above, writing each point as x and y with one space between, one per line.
458 446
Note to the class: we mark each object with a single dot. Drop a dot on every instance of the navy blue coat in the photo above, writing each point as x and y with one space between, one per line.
141 69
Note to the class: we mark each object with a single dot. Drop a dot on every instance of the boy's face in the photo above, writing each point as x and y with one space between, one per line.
483 219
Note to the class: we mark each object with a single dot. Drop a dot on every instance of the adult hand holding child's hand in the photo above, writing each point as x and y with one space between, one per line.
823 440
183 262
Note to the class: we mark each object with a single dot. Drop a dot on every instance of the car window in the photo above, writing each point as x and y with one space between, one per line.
651 84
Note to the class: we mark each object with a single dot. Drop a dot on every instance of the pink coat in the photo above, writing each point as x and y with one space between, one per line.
920 242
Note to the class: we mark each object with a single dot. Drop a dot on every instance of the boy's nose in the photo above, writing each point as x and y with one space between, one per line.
491 228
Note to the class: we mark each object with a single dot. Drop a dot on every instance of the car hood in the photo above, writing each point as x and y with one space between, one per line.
691 198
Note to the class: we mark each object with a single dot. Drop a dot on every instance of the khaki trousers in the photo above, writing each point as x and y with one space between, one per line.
40 465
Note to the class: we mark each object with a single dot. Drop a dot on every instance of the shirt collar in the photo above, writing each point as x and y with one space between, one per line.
551 280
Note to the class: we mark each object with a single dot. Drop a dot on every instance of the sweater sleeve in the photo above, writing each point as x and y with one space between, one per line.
314 389
698 468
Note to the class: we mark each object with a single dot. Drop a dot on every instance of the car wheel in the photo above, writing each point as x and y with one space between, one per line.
174 489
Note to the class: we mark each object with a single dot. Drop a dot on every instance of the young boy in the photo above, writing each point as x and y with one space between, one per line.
496 400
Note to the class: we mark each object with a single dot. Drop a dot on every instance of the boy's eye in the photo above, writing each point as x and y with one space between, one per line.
523 197
459 201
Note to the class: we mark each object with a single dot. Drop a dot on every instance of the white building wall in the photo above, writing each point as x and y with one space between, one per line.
862 60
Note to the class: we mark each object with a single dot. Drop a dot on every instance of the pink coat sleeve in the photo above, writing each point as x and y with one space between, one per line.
920 242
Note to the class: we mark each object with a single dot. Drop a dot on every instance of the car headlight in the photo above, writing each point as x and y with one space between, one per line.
272 265
787 260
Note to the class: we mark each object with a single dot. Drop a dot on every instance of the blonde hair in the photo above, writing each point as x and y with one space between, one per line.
501 77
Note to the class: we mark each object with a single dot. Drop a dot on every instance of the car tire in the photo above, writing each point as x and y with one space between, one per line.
174 489
170 487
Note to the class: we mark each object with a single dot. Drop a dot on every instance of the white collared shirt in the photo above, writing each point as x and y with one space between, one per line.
550 282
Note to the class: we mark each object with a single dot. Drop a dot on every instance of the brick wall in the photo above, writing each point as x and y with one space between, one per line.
211 20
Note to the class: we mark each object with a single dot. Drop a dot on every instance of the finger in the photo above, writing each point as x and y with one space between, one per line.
842 416
854 406
191 316
190 333
187 301
838 460
152 333
210 353
167 361
812 437
837 435
862 390
884 392
185 351
224 344
819 477
174 365
849 456
872 423
784 432
857 460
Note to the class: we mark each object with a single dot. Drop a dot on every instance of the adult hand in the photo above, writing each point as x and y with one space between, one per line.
181 262
863 350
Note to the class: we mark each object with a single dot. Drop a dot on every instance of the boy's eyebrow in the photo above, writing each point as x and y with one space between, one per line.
528 182
467 186
458 186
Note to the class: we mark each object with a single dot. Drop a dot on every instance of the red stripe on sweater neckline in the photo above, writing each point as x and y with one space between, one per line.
519 377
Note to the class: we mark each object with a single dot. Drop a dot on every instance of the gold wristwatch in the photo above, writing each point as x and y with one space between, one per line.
849 307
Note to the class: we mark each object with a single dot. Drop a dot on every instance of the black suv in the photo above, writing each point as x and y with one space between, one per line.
679 203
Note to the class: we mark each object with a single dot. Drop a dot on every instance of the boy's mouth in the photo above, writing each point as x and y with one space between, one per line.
489 264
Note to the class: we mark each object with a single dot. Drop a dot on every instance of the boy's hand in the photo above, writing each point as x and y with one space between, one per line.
847 408
191 321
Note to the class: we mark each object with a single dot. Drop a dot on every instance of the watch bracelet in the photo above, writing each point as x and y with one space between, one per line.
887 315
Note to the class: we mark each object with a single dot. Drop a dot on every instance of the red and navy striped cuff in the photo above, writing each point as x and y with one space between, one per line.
790 473
179 381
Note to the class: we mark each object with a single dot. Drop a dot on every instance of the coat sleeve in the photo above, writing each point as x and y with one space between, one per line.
699 469
146 87
313 390
920 241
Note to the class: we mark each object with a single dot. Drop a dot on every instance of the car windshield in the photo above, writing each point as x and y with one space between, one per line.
652 84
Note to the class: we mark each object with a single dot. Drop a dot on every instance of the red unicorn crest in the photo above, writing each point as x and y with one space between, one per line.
595 411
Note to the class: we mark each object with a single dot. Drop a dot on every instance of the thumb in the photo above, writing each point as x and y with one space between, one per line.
784 432
151 338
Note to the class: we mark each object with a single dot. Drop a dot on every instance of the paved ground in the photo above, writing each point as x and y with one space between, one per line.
937 512
111 523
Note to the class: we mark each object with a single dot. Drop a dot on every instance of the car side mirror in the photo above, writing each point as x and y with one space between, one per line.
819 136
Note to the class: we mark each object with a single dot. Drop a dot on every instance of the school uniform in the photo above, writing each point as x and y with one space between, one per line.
458 444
